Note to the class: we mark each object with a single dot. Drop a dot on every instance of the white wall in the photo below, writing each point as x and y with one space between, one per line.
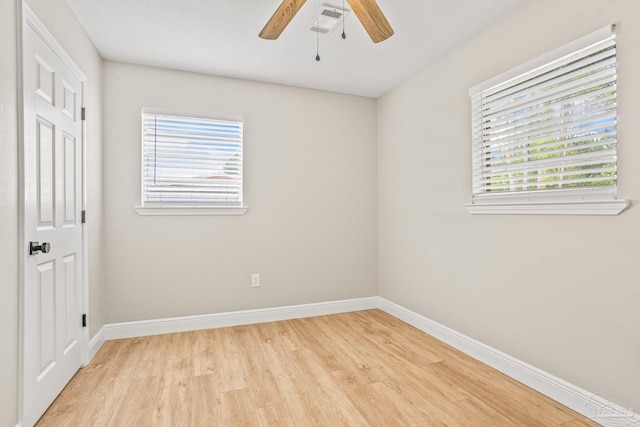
62 23
561 293
310 184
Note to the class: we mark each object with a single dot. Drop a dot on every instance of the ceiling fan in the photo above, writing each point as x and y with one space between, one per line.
367 11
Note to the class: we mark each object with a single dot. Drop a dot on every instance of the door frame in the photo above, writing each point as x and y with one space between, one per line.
26 20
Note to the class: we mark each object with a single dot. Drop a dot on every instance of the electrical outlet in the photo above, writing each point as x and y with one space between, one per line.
255 280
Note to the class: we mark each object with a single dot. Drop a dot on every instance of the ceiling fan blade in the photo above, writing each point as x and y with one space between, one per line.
281 18
372 19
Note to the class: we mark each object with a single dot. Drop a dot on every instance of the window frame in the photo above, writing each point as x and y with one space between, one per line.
570 201
180 208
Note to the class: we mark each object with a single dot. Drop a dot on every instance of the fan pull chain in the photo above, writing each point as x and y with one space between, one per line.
344 36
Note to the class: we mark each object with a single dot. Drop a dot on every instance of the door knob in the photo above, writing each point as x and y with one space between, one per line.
35 248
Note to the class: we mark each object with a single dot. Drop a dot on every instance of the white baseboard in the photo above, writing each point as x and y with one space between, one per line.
95 344
591 405
246 317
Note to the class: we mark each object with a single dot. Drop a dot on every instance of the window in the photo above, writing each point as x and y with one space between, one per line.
190 165
545 134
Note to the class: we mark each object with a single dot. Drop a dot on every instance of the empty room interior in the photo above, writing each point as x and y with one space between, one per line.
319 213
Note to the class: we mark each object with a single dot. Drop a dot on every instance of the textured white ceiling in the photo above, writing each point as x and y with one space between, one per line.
220 37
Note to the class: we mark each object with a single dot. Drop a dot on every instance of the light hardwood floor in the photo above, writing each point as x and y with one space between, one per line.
356 369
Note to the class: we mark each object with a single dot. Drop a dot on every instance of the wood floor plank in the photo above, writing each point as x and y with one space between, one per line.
335 352
275 416
483 414
231 372
300 401
262 384
236 409
206 404
356 369
375 409
502 393
204 349
138 404
579 422
329 396
392 362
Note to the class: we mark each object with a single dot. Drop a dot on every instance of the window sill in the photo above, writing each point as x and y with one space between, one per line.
608 207
189 210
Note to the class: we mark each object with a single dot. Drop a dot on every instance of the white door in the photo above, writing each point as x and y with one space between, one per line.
53 281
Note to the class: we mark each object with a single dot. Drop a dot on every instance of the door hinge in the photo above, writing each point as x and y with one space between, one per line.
84 217
84 320
83 113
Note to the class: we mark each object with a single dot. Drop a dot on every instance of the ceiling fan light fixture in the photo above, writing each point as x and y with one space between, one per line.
367 11
327 19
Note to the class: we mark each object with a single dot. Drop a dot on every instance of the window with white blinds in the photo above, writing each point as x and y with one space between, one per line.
191 162
549 132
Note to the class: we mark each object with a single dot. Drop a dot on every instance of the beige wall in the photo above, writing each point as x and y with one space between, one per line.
310 184
319 202
8 217
559 292
62 23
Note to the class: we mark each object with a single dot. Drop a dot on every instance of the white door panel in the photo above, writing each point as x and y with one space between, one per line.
53 281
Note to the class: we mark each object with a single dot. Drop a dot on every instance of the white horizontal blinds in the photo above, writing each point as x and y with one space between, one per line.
191 161
551 129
